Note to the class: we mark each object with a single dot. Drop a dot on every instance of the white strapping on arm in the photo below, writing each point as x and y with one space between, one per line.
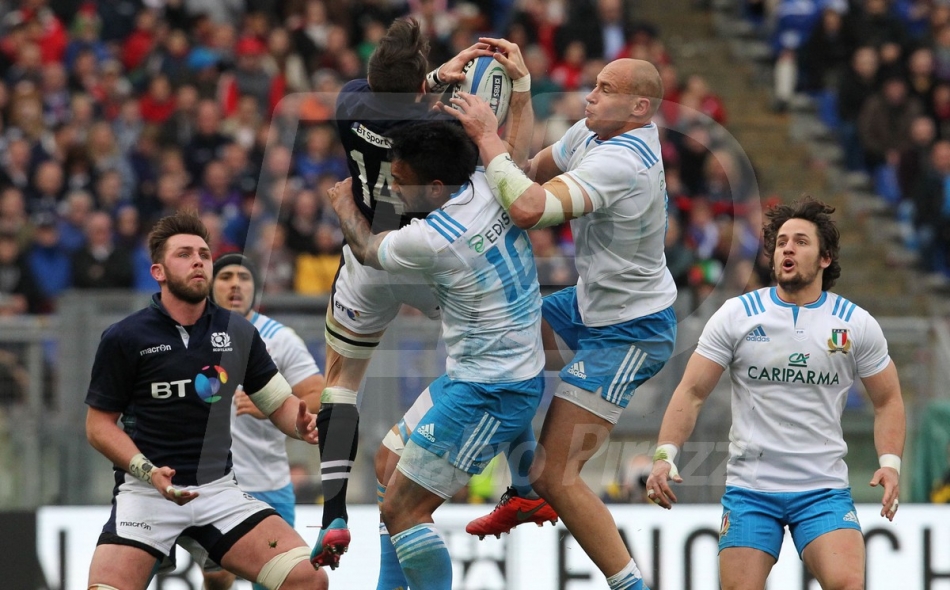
506 180
890 460
554 213
667 452
272 396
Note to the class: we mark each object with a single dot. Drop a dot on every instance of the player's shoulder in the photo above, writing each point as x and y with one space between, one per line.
136 326
267 326
844 309
638 146
751 304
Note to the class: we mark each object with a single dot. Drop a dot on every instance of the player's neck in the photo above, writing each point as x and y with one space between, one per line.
183 312
800 297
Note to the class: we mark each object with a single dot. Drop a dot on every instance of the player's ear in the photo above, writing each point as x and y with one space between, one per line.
437 189
158 272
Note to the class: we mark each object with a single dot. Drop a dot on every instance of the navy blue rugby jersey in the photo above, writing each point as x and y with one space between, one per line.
363 120
174 386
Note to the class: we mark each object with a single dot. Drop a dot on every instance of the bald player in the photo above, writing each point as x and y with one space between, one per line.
606 177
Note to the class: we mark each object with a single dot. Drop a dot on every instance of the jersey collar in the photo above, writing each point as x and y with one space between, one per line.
156 304
817 303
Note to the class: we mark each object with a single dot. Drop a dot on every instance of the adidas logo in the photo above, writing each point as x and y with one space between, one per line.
851 517
427 431
757 335
577 369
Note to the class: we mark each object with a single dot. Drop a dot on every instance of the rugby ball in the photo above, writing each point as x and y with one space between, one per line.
486 77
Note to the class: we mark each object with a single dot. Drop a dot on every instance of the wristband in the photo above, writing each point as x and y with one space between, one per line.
522 84
667 452
434 82
141 468
892 461
297 432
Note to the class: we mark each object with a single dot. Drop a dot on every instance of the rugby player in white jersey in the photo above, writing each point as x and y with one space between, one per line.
605 176
482 271
793 352
258 448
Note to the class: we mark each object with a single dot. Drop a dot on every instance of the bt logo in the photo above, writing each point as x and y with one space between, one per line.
207 384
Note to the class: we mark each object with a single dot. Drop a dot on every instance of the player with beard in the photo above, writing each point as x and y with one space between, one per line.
793 352
170 372
258 447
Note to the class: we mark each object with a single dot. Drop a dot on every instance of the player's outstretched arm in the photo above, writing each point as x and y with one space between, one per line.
529 204
363 242
106 437
519 126
452 71
890 426
698 381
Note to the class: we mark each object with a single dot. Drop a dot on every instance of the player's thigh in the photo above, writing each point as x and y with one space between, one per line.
570 436
744 568
752 520
418 488
122 566
395 440
836 559
269 538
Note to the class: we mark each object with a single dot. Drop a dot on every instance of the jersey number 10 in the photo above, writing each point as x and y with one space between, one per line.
510 267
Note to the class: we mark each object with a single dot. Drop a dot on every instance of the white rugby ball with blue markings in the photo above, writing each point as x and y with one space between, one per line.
486 77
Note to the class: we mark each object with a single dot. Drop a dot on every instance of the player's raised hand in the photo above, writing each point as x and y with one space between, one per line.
888 477
243 405
658 487
509 55
474 113
162 480
451 71
306 424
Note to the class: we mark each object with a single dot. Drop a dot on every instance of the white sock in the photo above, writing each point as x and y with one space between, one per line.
625 578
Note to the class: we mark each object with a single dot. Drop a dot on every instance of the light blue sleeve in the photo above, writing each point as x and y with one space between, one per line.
717 342
414 248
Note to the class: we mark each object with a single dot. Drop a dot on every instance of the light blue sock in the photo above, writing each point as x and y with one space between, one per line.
520 455
390 572
424 558
628 578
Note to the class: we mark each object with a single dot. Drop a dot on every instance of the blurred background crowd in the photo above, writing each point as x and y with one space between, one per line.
113 114
878 72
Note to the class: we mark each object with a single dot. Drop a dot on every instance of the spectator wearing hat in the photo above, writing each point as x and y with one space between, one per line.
100 264
50 263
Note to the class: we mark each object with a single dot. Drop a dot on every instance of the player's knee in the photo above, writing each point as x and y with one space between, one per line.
291 570
221 580
102 587
304 577
853 581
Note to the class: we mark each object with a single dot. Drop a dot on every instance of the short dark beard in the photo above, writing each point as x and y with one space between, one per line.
187 293
794 284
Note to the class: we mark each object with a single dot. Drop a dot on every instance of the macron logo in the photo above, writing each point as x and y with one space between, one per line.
427 431
577 369
757 335
159 348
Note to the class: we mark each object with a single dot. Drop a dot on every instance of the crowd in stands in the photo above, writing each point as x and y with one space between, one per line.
114 114
879 72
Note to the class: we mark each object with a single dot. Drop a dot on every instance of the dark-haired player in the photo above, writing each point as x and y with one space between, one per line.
170 372
793 352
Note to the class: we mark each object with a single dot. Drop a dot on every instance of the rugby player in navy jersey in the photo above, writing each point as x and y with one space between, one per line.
365 300
170 372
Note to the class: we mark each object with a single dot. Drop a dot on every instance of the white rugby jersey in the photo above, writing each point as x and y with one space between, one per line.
619 245
791 369
258 448
481 268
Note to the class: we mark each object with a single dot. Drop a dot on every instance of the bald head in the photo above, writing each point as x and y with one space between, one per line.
638 77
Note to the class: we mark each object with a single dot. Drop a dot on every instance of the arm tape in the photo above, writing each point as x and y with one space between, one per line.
141 468
506 180
553 208
272 396
892 461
